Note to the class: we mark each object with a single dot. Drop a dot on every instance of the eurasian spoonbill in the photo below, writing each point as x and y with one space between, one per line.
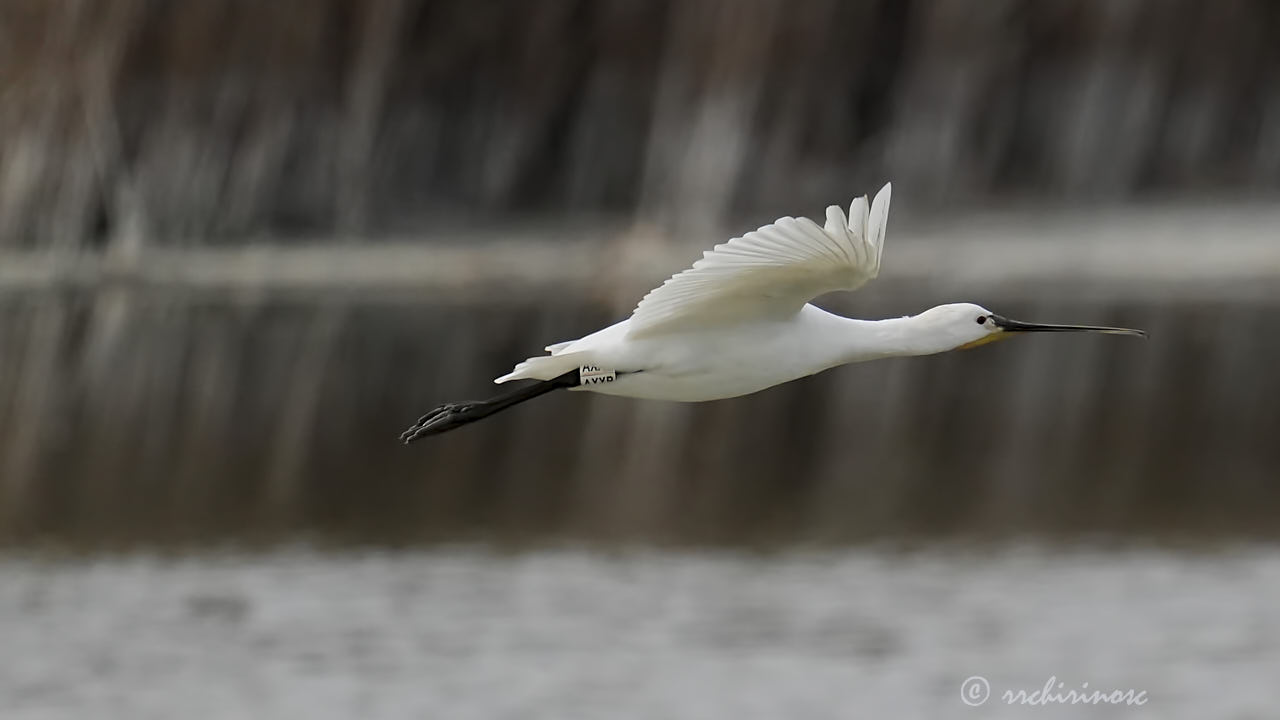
739 321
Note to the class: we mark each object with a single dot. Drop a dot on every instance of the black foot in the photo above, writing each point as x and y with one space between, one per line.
442 419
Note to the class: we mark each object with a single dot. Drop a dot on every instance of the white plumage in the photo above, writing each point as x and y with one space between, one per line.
745 292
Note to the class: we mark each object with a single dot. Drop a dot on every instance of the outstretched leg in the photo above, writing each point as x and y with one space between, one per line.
453 415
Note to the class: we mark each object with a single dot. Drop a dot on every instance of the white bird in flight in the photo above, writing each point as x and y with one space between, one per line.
739 321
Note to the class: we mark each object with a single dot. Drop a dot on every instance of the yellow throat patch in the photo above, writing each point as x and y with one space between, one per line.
986 339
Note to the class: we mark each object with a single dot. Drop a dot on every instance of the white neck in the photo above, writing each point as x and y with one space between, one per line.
857 340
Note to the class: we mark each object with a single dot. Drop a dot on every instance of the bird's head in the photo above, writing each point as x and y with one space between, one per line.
966 325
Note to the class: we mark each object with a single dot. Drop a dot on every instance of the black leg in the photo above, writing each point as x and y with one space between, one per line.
456 414
447 417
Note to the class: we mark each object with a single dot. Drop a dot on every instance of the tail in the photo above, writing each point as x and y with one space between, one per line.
545 367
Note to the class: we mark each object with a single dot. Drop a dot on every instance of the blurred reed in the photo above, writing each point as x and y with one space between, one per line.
130 121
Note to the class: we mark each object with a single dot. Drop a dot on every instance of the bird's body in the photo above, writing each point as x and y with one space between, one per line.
729 360
711 364
739 321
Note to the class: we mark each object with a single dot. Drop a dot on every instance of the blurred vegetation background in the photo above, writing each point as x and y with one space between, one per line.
243 244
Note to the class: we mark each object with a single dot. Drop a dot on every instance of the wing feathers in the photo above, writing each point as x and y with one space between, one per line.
772 271
837 226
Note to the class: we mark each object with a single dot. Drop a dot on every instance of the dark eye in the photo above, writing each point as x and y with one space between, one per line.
982 319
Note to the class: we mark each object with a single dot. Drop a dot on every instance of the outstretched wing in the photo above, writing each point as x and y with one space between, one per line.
771 272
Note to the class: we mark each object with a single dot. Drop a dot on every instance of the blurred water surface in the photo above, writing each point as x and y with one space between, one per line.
566 634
